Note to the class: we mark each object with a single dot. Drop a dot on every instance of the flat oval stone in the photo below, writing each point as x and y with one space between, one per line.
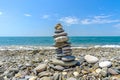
67 51
61 39
68 58
45 73
105 64
62 63
66 48
71 78
41 67
60 55
59 68
113 71
59 51
60 34
59 31
91 59
61 44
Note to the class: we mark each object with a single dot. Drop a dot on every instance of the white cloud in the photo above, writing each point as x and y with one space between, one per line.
45 16
117 25
28 15
1 13
99 20
101 16
69 20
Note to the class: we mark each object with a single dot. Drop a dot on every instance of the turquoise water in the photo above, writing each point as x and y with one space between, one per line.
49 41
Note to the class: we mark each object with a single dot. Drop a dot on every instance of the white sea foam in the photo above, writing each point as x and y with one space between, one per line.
107 46
49 47
25 47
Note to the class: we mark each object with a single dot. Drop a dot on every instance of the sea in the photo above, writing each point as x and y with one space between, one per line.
76 41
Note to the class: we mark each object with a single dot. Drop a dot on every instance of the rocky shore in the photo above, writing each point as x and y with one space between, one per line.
35 64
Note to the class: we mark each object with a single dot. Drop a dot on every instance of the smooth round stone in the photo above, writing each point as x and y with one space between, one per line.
57 76
75 74
105 64
62 63
71 78
61 44
68 54
91 59
58 26
59 51
59 31
104 72
66 48
113 71
64 73
41 67
59 58
60 34
60 55
33 78
45 73
98 70
1 63
67 51
68 58
61 39
59 68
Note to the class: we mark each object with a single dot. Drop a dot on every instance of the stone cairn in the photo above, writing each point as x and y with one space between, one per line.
63 55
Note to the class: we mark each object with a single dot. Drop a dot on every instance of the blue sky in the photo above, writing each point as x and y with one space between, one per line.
78 17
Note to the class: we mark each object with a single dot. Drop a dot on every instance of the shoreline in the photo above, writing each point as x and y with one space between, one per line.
31 47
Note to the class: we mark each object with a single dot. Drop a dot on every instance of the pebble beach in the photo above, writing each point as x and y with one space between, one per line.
34 63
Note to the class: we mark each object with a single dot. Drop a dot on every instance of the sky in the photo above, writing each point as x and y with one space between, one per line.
78 17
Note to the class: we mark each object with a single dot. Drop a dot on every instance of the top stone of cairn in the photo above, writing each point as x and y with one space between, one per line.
58 26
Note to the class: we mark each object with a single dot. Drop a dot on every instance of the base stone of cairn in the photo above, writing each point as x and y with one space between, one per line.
63 55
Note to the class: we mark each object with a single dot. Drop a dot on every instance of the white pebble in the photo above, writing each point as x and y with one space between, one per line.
91 59
105 64
98 70
75 74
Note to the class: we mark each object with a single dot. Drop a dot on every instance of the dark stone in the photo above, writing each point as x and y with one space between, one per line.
67 51
60 34
61 55
68 58
59 31
59 50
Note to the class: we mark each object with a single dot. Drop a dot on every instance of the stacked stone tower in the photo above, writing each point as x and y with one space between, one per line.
63 48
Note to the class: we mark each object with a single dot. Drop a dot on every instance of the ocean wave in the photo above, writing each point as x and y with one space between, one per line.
107 46
50 47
